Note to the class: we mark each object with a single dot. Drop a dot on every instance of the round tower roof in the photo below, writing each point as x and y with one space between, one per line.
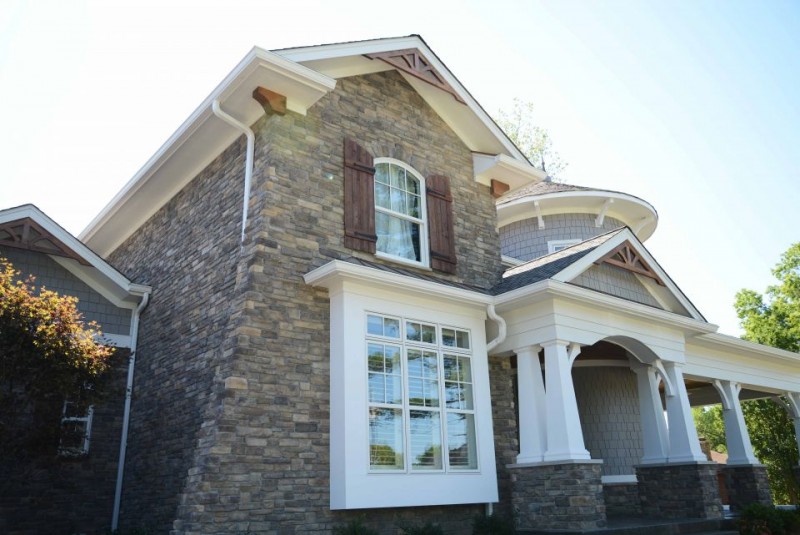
549 198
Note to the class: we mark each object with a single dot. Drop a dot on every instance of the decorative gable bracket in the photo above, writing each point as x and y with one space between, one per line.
27 234
411 61
624 256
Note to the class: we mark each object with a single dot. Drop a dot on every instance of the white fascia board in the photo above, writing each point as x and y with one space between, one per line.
553 289
200 139
500 167
574 270
104 278
335 271
444 103
729 344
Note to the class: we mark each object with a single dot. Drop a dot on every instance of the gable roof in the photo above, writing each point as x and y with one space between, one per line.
567 264
303 76
19 223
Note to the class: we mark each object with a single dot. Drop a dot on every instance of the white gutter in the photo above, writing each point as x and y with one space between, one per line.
501 324
251 143
123 445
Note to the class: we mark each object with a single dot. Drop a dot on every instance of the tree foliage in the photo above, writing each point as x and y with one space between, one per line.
774 319
710 426
48 354
534 141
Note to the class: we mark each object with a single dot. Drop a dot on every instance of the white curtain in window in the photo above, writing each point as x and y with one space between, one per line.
394 236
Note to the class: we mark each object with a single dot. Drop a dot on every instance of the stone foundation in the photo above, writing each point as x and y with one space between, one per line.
746 484
622 498
679 490
558 495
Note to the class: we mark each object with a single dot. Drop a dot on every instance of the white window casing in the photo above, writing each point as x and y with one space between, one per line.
354 484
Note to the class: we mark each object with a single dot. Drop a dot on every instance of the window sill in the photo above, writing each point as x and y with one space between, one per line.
403 261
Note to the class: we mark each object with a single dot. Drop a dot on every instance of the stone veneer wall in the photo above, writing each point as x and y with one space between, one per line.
251 453
524 240
189 253
51 275
608 404
622 499
746 484
680 490
503 379
68 495
565 496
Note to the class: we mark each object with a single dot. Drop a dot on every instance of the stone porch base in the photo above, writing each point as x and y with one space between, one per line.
687 490
746 484
562 495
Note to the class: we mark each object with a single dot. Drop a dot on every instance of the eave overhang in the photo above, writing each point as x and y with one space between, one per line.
734 345
200 139
553 290
334 273
638 215
488 167
84 264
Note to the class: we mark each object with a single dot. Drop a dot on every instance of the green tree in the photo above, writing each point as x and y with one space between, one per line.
710 426
774 319
534 141
48 354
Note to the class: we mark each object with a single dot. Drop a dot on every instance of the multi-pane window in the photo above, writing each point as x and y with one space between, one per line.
76 429
400 212
421 411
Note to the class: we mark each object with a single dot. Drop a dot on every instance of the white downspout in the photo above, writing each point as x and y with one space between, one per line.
123 445
501 324
251 143
501 336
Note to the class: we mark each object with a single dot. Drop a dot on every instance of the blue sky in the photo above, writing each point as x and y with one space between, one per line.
692 105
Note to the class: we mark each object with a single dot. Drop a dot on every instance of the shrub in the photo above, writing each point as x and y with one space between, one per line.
758 519
492 525
354 527
429 528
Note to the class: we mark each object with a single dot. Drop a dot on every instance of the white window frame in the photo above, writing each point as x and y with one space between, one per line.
553 246
422 221
352 484
441 350
83 449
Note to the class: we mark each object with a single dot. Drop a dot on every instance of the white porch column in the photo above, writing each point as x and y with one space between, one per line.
740 451
564 433
532 416
794 411
684 446
654 426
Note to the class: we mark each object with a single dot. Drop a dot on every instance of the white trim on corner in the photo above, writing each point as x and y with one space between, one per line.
323 275
501 167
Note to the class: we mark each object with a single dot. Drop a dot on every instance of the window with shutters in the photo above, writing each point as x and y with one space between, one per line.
393 211
400 222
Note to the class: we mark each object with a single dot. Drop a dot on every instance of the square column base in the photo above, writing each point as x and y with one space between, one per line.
688 490
746 484
565 495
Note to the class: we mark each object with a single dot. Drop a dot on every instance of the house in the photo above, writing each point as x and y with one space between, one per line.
75 491
367 303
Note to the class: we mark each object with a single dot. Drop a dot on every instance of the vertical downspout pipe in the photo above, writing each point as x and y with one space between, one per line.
126 418
251 143
501 337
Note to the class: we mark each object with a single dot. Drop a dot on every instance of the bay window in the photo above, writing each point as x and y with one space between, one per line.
421 412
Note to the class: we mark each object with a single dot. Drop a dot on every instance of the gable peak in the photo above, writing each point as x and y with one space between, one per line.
412 61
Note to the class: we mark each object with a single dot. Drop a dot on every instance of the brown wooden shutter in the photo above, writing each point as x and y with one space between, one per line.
441 224
359 198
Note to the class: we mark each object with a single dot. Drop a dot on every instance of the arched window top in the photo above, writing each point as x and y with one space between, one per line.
400 212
